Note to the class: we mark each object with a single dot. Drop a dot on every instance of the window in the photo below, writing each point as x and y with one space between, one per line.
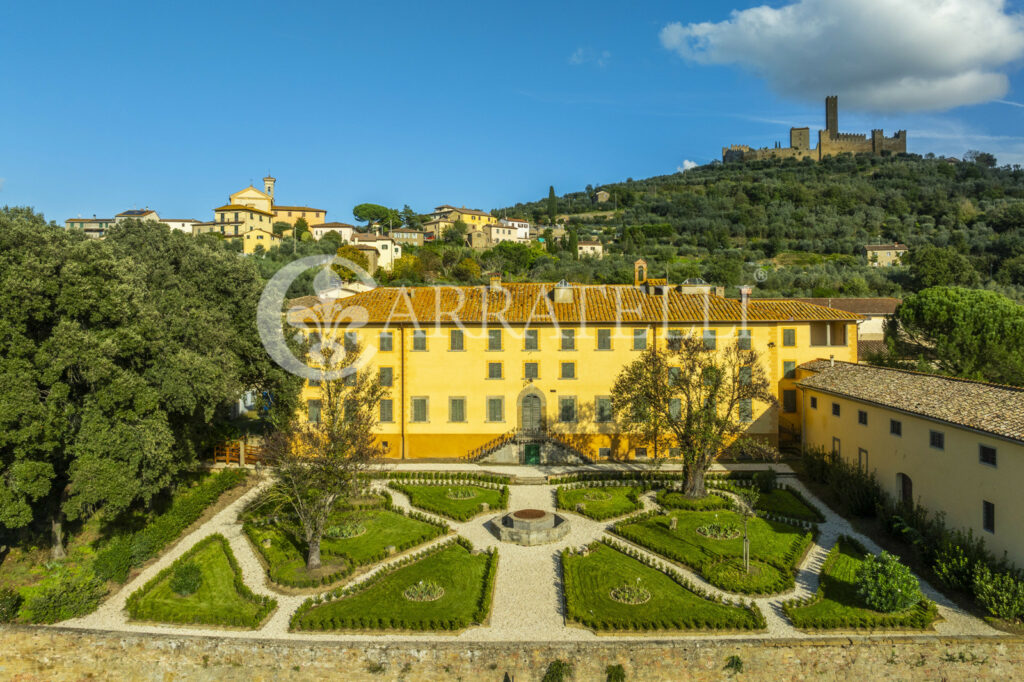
814 402
835 409
746 410
789 400
351 340
530 370
419 339
835 448
640 453
495 409
419 409
530 340
603 409
349 379
675 408
710 339
862 459
674 339
455 340
675 375
604 453
937 439
493 370
456 409
314 382
604 339
386 341
987 455
313 410
788 338
895 427
386 410
789 369
568 339
493 339
639 339
743 340
862 417
988 516
568 370
386 376
567 409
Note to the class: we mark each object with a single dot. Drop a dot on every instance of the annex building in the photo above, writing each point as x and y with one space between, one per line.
518 370
831 142
951 445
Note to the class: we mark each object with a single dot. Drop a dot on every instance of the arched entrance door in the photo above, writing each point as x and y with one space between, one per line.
532 418
906 489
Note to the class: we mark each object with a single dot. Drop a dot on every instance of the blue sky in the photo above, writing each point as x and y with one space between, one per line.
112 106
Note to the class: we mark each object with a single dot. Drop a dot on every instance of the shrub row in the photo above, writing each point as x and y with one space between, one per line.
919 617
128 551
276 576
681 622
960 561
456 514
786 565
449 476
306 618
69 592
10 603
140 610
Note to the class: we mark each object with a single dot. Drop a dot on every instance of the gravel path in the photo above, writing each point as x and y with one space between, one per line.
527 599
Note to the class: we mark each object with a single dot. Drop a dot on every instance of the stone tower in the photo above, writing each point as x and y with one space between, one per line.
832 115
268 186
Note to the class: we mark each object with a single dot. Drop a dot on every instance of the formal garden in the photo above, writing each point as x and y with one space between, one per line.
456 501
598 502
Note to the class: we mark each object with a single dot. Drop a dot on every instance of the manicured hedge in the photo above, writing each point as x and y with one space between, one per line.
309 617
452 510
141 608
451 477
706 610
650 478
836 606
276 560
711 569
125 552
802 510
672 499
623 500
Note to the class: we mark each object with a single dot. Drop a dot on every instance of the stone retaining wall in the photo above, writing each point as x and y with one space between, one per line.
61 654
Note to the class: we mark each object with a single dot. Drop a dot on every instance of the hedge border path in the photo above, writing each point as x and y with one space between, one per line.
527 604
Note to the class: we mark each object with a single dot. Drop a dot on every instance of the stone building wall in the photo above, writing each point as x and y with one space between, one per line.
62 654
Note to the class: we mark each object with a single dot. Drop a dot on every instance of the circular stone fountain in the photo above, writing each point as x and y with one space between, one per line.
531 527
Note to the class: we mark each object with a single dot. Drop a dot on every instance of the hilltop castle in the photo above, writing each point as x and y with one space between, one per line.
830 142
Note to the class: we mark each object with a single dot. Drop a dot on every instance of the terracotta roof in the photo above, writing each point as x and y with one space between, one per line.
972 404
886 247
866 348
472 211
533 302
363 237
178 220
298 208
240 207
89 220
589 242
335 225
861 306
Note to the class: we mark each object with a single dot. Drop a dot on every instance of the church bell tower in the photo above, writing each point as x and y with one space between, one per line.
268 186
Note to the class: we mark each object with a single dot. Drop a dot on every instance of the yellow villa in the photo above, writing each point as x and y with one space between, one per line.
522 372
259 237
950 445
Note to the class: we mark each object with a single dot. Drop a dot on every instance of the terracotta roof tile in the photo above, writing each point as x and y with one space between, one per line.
983 407
861 306
533 302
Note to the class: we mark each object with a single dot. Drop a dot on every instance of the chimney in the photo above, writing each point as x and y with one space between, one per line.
563 292
495 283
720 292
744 295
832 361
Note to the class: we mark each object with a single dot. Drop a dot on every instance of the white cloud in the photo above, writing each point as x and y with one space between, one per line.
878 55
585 55
687 165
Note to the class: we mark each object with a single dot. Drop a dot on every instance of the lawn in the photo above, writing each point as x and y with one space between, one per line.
377 530
837 605
591 579
784 503
600 502
671 499
775 548
222 598
466 579
458 502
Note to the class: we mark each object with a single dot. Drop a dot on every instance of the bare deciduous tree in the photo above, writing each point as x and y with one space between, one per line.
319 462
